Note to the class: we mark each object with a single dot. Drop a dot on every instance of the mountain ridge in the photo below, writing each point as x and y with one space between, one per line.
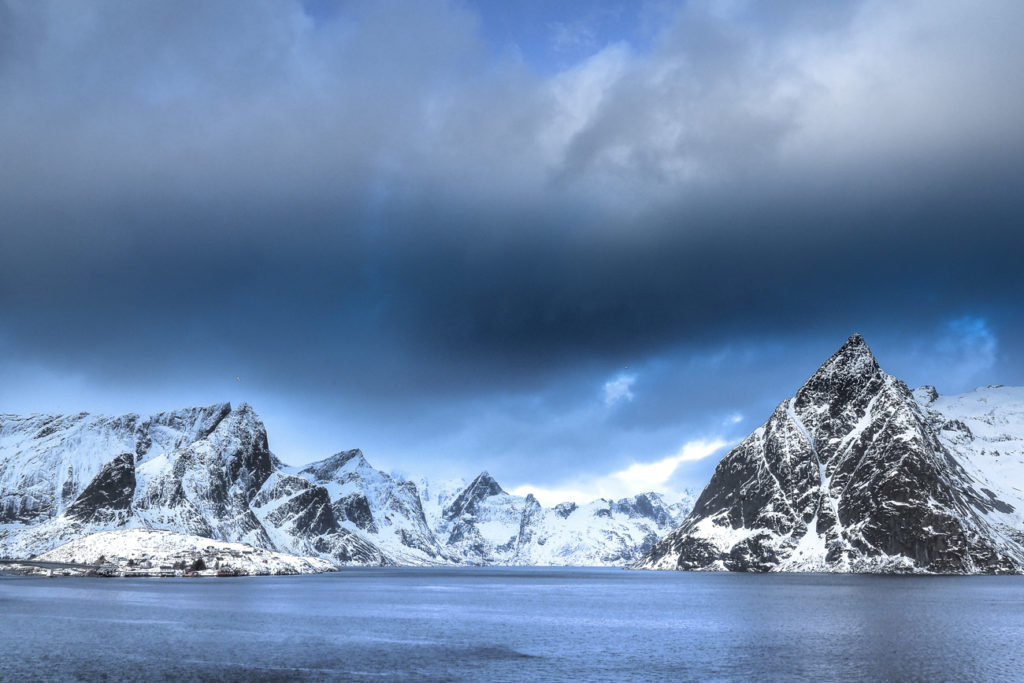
209 472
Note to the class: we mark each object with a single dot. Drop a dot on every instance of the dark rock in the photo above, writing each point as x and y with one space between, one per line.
565 509
356 508
108 494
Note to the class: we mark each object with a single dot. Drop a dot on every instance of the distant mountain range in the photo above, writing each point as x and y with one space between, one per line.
857 473
208 472
854 473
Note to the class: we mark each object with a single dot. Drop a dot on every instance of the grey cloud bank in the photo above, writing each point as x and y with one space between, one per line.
402 237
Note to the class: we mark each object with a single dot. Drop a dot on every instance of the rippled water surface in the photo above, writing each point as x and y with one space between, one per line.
514 624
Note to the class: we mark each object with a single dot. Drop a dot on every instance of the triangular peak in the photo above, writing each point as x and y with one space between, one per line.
485 485
852 357
853 365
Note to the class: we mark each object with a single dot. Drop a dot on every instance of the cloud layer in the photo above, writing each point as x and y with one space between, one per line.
398 224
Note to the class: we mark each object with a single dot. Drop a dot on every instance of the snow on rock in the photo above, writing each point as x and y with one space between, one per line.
858 473
371 504
436 495
299 518
153 549
46 461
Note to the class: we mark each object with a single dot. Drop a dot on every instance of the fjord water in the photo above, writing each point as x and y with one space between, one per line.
514 624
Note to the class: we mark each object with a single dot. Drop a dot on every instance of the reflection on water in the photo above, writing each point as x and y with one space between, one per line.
513 624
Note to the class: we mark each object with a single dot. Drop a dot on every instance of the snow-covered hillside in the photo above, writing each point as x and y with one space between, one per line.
858 473
152 549
479 523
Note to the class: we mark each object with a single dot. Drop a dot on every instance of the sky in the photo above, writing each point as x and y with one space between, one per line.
586 246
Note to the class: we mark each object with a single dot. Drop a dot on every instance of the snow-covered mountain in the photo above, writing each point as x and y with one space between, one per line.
209 472
375 506
202 471
858 473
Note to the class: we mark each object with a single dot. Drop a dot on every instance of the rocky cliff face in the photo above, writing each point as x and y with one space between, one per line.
205 488
853 473
299 518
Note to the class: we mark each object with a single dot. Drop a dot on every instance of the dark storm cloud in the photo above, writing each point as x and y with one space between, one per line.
356 203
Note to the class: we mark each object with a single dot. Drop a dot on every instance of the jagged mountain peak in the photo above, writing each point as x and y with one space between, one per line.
191 413
208 471
852 359
856 340
563 510
243 424
484 486
243 411
849 377
242 408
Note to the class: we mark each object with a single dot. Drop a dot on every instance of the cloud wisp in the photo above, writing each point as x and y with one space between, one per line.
619 389
638 478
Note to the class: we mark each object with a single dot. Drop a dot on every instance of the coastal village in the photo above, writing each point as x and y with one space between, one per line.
160 553
209 561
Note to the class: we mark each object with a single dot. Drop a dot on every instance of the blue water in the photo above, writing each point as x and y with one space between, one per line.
514 624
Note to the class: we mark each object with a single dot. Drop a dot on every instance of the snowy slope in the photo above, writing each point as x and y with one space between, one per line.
602 532
858 473
436 495
984 430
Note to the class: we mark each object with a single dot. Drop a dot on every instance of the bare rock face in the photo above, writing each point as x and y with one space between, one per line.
851 474
108 497
468 502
